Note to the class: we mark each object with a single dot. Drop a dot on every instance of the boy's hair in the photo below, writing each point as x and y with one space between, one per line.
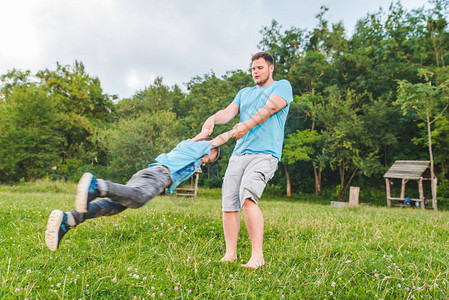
265 55
217 148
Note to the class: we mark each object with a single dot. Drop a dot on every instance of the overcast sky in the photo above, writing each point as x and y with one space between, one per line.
128 43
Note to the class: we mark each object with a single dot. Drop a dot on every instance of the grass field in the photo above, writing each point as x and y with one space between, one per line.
170 248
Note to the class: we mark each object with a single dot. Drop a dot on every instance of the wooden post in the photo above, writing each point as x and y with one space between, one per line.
404 181
387 183
354 196
421 193
434 201
196 185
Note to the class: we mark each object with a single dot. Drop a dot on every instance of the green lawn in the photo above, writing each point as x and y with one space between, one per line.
170 249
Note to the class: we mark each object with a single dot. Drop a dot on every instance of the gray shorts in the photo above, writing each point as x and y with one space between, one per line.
246 178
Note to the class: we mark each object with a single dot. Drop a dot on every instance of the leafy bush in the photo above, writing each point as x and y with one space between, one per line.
132 144
29 138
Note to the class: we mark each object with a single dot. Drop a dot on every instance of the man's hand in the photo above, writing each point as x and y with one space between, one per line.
240 129
208 126
203 134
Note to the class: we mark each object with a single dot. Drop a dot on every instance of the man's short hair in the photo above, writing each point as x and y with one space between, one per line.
265 55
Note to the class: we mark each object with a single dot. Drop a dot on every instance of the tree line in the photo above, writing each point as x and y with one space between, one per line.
360 104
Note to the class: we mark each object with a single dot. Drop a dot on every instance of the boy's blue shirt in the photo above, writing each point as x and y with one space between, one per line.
183 161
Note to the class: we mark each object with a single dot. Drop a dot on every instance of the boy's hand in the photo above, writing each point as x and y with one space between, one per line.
201 135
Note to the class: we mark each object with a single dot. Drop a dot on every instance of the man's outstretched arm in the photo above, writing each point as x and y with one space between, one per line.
221 117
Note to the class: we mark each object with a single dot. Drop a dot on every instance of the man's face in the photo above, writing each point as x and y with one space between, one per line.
262 72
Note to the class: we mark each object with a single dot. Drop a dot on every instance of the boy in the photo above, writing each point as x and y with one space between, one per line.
169 171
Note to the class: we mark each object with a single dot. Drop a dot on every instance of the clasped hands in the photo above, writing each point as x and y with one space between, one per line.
239 129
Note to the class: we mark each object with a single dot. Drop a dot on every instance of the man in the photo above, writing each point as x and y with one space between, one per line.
263 110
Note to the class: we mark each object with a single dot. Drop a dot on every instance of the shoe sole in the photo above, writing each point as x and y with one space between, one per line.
52 232
82 192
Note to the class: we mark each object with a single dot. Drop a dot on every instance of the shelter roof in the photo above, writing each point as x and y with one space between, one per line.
409 169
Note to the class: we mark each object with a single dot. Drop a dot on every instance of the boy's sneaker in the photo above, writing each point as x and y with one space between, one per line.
87 191
57 227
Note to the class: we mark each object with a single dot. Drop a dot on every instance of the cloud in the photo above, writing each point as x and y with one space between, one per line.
136 79
126 44
120 39
20 44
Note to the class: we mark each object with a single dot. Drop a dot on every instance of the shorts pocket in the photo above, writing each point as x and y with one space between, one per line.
254 184
268 169
263 177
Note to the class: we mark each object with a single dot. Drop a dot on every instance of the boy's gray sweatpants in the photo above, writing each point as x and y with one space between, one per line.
141 188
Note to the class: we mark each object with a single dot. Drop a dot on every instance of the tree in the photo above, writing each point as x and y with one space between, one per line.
77 92
298 146
436 23
306 144
353 134
330 42
310 72
284 47
13 79
157 97
29 137
429 103
132 144
310 75
440 147
80 101
78 105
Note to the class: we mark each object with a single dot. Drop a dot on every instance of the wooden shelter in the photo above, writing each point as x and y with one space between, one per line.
192 190
407 170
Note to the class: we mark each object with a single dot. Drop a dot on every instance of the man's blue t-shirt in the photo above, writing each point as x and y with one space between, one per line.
268 136
183 161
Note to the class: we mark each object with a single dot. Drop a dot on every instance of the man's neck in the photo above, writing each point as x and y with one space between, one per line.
267 83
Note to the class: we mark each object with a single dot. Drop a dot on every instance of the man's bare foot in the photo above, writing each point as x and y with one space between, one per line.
254 263
229 258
